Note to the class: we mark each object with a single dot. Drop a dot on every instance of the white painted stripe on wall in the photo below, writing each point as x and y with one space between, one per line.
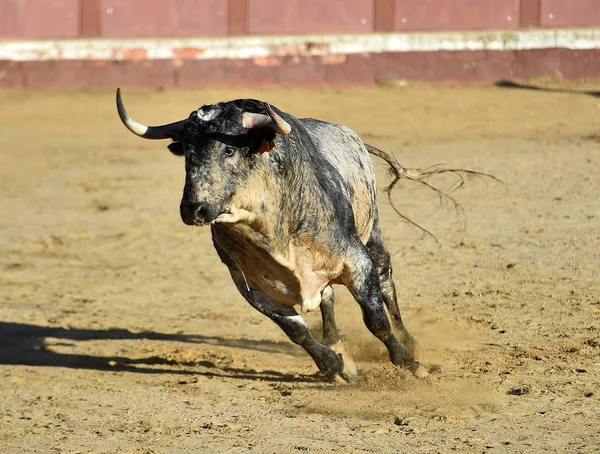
305 45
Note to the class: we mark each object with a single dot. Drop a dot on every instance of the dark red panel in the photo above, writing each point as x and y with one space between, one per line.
39 18
163 18
310 16
576 64
248 73
530 13
457 14
563 63
434 67
571 13
301 72
440 66
85 73
11 74
357 69
535 62
200 73
225 73
495 65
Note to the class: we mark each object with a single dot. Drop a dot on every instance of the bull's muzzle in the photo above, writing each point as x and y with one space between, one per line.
198 213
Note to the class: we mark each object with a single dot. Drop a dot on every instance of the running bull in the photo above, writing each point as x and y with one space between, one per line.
291 203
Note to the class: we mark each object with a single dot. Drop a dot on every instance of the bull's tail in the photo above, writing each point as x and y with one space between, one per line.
420 176
395 167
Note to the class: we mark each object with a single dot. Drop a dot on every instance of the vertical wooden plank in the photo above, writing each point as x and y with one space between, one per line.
530 13
9 19
448 15
163 18
91 16
574 13
384 15
266 17
36 19
237 17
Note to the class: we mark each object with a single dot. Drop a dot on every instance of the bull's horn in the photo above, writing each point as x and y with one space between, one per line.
281 126
169 131
272 121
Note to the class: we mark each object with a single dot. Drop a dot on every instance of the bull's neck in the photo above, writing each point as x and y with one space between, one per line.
294 185
281 192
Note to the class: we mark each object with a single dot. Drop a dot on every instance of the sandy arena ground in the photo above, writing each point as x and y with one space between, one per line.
120 330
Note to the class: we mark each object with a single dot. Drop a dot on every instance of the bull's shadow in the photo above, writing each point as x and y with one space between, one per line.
26 344
520 86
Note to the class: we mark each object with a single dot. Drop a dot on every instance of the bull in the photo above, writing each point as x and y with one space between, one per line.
292 207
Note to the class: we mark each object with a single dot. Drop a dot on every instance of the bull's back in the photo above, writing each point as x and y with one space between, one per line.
342 147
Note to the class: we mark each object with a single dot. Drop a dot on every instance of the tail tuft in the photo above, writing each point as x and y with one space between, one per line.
397 171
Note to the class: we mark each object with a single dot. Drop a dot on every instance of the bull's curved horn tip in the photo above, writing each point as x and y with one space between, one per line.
135 127
119 99
282 126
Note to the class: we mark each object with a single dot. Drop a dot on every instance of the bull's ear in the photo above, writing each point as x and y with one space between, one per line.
266 145
266 126
176 148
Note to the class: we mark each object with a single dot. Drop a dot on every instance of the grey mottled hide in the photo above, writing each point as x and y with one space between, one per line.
310 199
292 208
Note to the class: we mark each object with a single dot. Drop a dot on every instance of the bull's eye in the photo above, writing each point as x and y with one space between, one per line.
228 151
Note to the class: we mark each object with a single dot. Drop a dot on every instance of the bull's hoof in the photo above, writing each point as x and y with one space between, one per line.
417 369
348 375
349 371
420 372
338 380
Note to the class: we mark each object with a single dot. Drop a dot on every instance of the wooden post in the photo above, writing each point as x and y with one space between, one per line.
237 17
91 18
530 13
384 15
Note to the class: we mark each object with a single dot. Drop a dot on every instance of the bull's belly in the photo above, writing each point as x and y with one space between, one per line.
295 277
292 288
287 283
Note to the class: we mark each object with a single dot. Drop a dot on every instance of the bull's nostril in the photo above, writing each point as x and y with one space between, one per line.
194 213
201 212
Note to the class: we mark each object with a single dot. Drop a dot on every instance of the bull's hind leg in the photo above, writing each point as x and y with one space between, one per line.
327 360
362 280
381 259
331 337
330 331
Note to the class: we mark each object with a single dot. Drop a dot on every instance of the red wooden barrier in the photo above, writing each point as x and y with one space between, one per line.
305 62
310 17
55 19
457 15
571 13
40 19
163 18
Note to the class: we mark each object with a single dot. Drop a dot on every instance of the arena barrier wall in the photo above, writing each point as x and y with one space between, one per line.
196 43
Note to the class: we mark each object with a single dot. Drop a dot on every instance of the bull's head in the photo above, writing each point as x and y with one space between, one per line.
221 143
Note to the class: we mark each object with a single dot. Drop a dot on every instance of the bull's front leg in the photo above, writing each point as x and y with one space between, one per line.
362 281
327 360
